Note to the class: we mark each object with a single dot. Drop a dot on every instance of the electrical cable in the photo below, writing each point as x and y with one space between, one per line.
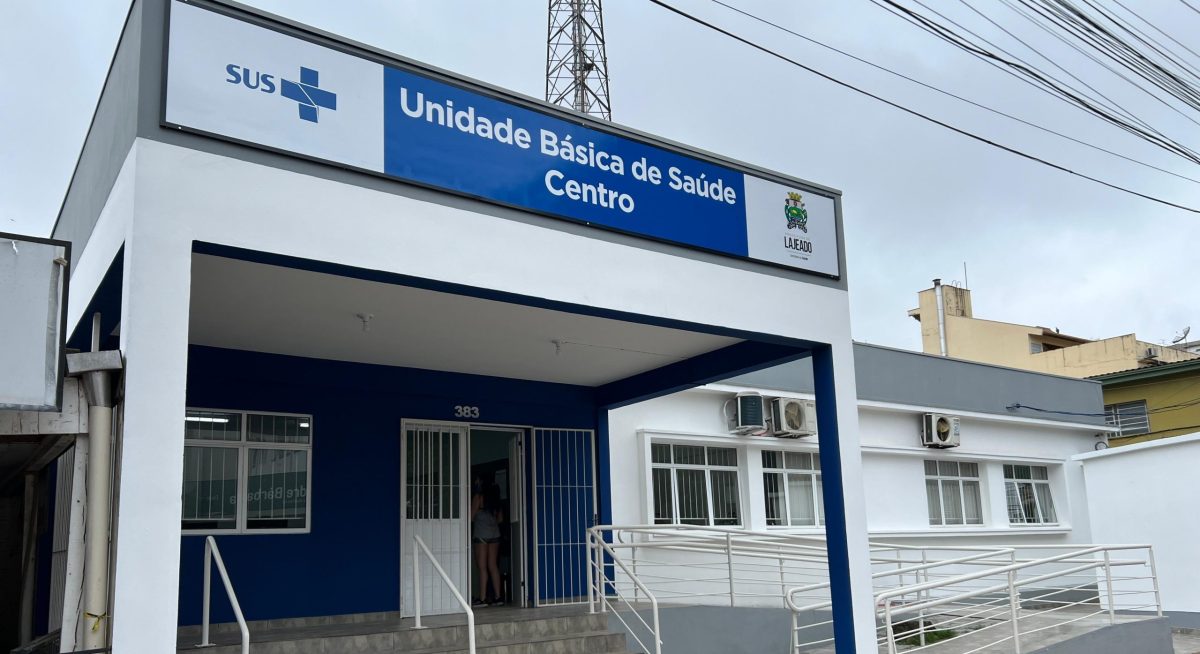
951 94
917 114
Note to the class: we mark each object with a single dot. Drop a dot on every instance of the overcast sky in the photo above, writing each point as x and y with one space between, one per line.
1041 247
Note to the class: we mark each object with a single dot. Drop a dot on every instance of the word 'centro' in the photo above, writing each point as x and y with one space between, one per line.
595 194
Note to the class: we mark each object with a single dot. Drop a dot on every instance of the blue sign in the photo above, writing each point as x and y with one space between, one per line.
444 136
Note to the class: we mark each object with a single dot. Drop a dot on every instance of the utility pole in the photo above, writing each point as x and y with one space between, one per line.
576 63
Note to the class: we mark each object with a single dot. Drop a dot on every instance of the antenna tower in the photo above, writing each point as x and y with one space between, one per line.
576 64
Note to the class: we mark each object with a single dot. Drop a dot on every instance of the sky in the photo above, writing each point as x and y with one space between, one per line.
1037 246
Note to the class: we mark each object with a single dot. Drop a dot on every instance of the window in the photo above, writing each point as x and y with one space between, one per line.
1035 347
1130 417
246 472
695 485
792 489
952 490
1027 490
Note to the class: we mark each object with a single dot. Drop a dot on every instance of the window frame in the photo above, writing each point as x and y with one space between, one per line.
814 473
1034 483
962 498
707 468
1113 418
243 446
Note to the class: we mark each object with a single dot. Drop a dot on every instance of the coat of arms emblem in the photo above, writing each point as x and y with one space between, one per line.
797 215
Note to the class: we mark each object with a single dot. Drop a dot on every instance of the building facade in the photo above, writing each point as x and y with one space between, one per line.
1152 403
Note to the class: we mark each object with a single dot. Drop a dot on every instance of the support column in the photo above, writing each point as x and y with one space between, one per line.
154 333
845 506
28 558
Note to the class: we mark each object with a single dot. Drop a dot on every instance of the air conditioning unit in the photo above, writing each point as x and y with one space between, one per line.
792 417
749 415
939 430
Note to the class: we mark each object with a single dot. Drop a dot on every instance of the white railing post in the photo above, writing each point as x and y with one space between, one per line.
591 577
782 578
204 641
922 594
888 630
636 591
1112 611
729 558
416 556
602 579
1154 576
1014 607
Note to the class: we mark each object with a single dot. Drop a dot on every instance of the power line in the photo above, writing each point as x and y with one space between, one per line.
951 94
1189 6
918 114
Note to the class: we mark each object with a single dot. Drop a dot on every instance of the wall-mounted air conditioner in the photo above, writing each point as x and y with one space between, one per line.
748 415
793 418
938 430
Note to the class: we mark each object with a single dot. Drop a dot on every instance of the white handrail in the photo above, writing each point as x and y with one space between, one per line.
211 552
599 593
416 557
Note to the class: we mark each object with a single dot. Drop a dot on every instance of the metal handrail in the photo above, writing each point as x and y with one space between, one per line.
597 592
211 553
416 558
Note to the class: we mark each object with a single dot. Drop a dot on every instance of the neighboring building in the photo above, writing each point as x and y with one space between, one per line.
1151 403
1010 481
949 328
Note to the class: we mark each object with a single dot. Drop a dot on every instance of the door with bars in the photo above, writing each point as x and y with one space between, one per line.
564 507
434 506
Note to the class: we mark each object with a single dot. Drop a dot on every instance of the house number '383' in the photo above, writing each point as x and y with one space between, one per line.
464 411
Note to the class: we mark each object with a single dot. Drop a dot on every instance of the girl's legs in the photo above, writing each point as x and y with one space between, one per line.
481 565
493 555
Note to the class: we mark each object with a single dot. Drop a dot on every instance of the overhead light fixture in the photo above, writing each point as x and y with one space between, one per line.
206 419
304 425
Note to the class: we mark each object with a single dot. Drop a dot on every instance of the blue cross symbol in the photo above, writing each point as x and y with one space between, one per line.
311 98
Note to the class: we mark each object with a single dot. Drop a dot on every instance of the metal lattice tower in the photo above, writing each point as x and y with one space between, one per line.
576 64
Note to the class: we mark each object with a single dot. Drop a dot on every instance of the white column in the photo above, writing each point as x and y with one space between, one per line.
154 334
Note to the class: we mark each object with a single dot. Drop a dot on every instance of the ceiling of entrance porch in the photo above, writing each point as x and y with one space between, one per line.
250 306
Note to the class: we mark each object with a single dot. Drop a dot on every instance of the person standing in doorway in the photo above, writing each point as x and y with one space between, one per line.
487 513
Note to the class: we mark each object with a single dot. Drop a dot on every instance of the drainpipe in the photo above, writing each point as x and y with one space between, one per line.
95 371
28 548
941 313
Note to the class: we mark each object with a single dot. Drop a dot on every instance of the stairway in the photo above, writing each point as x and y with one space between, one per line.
497 631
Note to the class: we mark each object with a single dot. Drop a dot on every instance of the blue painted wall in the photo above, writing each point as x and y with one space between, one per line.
349 563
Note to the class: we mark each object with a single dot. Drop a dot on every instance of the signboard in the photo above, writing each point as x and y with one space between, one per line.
33 294
241 80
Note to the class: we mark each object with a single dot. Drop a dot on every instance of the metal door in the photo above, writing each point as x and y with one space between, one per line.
434 506
564 507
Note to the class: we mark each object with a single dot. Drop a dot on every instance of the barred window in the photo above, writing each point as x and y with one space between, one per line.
1130 417
246 472
695 485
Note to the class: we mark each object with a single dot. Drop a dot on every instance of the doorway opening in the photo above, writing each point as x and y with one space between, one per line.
497 516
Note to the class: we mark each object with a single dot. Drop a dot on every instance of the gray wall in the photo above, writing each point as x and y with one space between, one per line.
889 375
1144 637
723 630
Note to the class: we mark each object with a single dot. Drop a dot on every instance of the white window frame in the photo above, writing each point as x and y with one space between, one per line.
707 469
243 446
1036 498
962 497
1114 417
818 488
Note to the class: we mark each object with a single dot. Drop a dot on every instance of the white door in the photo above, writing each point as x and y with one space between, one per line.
434 506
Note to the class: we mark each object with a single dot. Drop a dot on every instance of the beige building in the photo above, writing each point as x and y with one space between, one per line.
949 328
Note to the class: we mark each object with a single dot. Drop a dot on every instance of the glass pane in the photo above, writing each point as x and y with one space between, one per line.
948 468
798 460
773 492
802 500
931 468
210 479
952 502
1046 502
1015 515
660 453
772 459
212 426
262 428
664 509
1020 472
972 503
1008 472
727 509
693 496
722 456
277 489
816 460
820 497
1040 472
689 454
1028 503
968 469
934 501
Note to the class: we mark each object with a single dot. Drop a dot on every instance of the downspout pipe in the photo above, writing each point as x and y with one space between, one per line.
96 371
941 313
